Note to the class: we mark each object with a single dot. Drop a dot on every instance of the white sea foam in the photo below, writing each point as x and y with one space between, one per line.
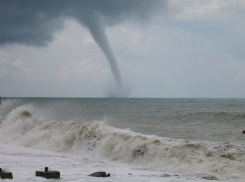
23 162
101 142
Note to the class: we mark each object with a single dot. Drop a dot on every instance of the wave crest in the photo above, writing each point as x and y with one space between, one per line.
99 140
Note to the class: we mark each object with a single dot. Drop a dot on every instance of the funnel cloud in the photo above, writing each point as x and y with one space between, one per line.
97 30
34 23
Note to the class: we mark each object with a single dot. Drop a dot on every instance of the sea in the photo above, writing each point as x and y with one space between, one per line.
133 139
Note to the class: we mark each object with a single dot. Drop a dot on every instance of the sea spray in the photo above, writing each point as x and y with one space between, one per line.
8 104
98 140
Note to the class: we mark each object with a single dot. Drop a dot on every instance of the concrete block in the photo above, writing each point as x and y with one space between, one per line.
48 174
5 175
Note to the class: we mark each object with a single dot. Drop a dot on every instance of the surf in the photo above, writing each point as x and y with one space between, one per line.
100 141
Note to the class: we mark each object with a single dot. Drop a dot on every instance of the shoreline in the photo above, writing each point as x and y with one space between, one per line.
23 162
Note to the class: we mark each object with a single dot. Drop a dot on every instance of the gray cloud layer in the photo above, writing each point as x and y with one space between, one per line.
33 22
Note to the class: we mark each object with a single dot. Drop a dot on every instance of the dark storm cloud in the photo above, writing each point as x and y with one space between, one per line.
33 22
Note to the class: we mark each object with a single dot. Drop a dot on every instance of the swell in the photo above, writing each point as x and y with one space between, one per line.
208 116
101 141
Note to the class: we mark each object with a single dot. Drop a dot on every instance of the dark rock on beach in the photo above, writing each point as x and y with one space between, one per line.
100 174
207 177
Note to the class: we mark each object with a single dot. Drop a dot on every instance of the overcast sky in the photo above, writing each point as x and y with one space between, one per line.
164 49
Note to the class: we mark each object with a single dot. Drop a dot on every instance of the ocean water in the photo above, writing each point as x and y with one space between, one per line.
132 139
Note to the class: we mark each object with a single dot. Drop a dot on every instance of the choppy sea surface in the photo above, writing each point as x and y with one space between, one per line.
170 140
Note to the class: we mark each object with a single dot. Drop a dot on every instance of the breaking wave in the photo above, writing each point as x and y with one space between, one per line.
101 141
